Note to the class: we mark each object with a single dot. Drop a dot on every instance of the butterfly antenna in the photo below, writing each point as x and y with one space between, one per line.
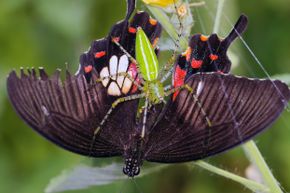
124 184
137 185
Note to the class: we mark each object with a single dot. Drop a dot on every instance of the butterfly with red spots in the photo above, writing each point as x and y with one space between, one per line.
214 111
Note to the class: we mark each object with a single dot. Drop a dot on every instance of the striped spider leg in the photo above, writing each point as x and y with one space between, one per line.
194 96
114 105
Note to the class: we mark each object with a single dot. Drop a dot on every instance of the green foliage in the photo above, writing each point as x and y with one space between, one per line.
52 33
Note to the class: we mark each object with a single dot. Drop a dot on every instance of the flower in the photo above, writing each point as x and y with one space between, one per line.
161 3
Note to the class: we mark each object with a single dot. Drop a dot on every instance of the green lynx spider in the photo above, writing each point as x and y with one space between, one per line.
152 88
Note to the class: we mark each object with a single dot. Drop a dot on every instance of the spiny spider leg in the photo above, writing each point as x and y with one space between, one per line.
168 87
168 68
125 74
185 86
167 75
144 118
131 58
114 105
141 109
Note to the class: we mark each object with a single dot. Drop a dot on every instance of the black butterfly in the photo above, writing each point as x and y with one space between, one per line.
68 112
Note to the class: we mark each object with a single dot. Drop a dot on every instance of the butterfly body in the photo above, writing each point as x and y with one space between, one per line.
133 157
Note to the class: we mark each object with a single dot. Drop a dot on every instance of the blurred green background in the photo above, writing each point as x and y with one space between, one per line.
55 32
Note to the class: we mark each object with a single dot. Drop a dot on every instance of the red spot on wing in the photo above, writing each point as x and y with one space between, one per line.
133 72
100 54
88 69
132 30
196 63
213 57
179 76
188 53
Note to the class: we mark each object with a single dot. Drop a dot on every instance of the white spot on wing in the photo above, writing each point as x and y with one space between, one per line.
123 64
114 89
113 66
200 87
120 81
126 86
44 110
105 73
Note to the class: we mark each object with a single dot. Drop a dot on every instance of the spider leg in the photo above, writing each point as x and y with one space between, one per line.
126 75
144 118
114 105
131 58
195 97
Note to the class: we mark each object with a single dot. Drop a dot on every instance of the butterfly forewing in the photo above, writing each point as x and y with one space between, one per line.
68 112
228 111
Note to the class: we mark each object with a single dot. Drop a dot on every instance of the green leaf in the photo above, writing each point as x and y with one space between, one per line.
83 177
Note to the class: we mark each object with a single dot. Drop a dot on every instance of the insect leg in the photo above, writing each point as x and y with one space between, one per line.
131 58
144 118
167 88
195 97
114 105
125 74
167 75
168 68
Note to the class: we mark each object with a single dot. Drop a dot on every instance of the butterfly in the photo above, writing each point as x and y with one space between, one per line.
210 111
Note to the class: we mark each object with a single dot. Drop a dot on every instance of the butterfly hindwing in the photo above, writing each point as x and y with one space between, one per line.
108 55
206 54
226 112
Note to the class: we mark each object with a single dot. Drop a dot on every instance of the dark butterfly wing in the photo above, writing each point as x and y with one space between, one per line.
238 108
207 54
67 113
109 59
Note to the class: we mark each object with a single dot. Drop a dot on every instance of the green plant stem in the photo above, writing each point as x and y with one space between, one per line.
167 25
252 185
256 158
